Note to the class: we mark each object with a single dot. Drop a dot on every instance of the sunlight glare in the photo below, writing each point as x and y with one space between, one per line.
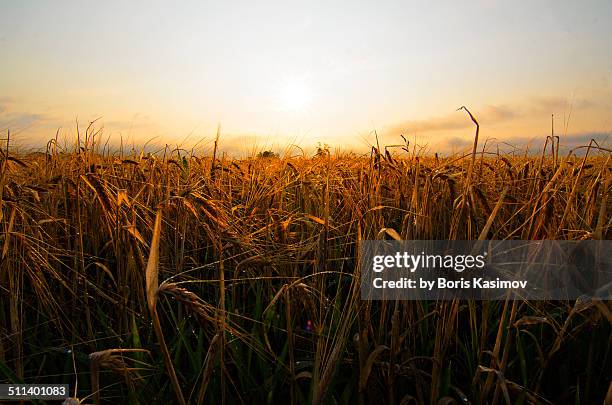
294 96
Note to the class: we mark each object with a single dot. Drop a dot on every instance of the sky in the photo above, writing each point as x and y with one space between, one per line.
271 74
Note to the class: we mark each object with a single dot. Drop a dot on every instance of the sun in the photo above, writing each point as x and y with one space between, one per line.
294 96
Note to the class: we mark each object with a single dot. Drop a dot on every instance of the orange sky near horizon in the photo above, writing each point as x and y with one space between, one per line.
274 74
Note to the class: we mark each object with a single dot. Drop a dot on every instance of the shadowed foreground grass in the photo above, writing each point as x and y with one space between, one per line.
178 278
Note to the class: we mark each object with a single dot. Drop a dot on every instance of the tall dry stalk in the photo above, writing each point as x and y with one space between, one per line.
151 275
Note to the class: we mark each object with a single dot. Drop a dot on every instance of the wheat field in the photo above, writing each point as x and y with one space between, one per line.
175 278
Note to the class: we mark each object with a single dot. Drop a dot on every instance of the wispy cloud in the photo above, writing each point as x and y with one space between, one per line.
533 144
4 102
491 115
496 113
18 121
580 139
453 121
15 119
557 105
